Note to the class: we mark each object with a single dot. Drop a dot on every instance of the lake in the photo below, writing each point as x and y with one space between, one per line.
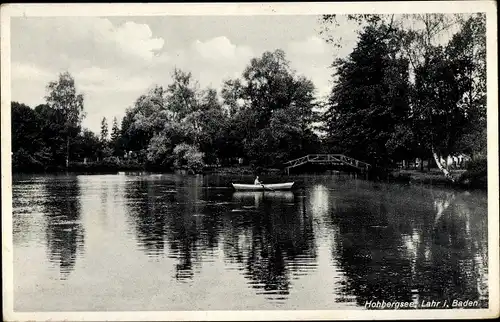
158 242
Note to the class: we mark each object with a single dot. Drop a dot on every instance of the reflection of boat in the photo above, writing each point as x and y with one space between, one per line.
263 187
257 195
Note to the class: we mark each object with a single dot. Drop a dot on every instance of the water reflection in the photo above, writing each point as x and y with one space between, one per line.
148 214
64 230
272 239
450 270
173 213
335 240
27 202
267 235
193 229
387 255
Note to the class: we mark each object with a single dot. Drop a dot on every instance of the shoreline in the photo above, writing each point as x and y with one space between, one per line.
402 176
463 179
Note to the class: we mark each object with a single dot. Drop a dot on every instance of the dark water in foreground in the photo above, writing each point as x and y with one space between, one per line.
167 242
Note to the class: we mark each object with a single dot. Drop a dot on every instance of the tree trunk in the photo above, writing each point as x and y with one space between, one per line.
67 152
440 166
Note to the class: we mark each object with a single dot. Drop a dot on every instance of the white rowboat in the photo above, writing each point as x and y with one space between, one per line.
263 187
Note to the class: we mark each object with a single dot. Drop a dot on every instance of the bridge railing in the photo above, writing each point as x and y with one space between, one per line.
314 158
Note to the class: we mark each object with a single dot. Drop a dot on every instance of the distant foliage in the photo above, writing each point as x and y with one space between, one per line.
264 117
39 138
406 90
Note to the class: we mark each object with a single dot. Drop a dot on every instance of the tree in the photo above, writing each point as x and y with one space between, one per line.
469 47
63 97
370 99
231 95
159 151
29 151
115 138
104 130
258 104
87 145
182 95
144 120
115 130
163 118
207 125
440 86
268 95
53 134
25 128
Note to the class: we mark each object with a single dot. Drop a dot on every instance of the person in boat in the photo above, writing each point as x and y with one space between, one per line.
257 182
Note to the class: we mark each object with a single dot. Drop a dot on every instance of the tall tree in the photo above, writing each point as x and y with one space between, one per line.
469 47
207 125
370 98
63 97
115 138
231 95
182 94
439 88
115 130
104 130
145 119
271 110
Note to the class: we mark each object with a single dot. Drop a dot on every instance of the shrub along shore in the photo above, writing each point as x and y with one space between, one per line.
473 177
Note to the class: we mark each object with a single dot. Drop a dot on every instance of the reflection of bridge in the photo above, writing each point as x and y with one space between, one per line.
328 159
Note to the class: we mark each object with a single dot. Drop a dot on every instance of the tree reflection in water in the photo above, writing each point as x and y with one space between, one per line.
144 202
269 234
174 213
65 233
271 237
409 250
452 260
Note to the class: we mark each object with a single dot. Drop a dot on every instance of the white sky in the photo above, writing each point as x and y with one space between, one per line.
114 60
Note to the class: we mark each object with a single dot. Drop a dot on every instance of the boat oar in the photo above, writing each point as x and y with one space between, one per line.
266 187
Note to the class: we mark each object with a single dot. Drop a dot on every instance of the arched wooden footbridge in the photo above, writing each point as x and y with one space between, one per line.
328 159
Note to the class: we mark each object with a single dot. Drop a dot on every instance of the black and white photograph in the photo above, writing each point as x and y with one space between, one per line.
250 161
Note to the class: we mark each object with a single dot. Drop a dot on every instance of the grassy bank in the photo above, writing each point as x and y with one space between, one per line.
474 177
435 177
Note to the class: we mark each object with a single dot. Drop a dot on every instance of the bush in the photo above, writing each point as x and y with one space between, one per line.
476 175
23 161
108 165
188 156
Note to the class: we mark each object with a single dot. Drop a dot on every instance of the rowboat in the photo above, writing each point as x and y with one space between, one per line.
263 187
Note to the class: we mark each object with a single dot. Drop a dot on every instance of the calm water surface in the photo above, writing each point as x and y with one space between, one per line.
168 242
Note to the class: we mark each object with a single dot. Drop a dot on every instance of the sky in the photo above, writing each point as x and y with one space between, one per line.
114 60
